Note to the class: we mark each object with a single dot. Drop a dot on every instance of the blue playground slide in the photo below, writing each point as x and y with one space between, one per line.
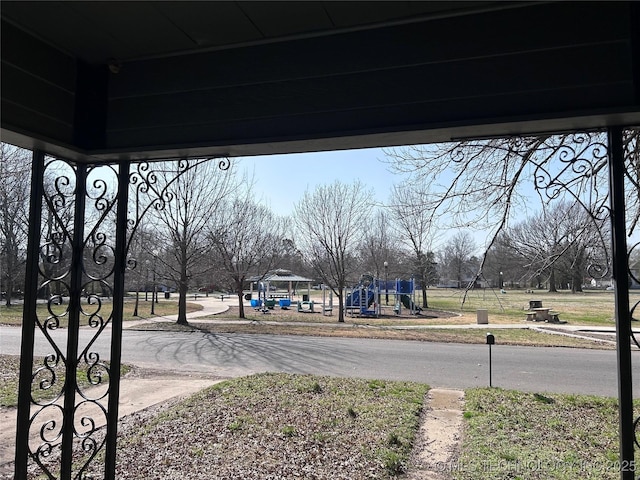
353 300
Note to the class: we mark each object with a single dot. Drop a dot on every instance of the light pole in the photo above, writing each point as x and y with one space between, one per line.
154 293
146 281
500 281
386 284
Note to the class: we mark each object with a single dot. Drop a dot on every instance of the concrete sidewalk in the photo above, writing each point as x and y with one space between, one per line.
210 306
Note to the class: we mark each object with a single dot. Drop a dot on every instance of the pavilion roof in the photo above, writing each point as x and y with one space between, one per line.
281 275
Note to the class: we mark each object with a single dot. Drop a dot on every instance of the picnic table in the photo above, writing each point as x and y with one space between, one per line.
538 313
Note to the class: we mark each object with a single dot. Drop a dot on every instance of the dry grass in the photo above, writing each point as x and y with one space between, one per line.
522 337
273 426
13 315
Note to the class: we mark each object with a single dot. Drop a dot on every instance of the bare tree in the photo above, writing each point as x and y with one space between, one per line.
138 250
503 263
14 209
192 200
247 238
484 183
415 230
331 222
377 243
558 244
458 258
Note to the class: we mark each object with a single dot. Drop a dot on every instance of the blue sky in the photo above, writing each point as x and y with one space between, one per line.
283 179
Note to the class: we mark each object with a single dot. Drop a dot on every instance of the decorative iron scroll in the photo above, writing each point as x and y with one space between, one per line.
631 142
71 385
149 192
592 170
73 207
575 166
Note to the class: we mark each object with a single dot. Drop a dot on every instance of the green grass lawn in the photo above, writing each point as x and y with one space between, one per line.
510 434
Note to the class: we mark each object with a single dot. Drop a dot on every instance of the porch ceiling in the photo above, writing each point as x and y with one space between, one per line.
100 81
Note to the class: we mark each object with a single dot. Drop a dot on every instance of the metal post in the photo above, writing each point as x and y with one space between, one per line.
490 368
73 330
29 316
623 314
117 318
154 292
491 339
386 284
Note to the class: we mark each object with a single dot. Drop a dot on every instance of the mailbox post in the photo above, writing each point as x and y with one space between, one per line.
491 340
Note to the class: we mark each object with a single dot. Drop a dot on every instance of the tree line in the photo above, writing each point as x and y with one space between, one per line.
202 226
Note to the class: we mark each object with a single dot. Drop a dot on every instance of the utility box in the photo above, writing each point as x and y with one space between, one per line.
483 317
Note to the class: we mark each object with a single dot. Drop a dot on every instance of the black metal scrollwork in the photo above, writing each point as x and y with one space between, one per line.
78 198
57 255
632 181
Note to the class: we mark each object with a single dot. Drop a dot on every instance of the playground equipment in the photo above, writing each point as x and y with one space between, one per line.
285 303
363 296
405 296
327 310
305 306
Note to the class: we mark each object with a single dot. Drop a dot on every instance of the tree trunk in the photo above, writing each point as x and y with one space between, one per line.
9 285
576 283
341 307
425 304
552 282
135 308
182 304
240 302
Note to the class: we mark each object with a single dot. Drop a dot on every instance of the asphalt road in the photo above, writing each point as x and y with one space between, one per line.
533 369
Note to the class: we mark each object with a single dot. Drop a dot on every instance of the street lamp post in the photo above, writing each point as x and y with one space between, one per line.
386 280
500 282
146 281
154 292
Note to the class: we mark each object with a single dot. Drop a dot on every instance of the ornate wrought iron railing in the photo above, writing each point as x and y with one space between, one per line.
81 225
